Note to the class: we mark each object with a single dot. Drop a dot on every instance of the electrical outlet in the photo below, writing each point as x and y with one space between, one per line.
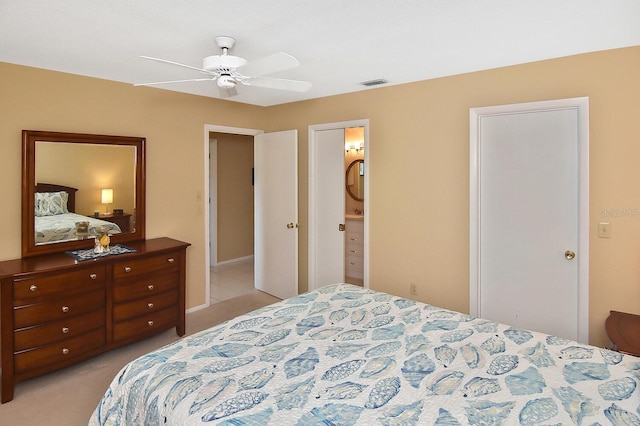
412 289
604 230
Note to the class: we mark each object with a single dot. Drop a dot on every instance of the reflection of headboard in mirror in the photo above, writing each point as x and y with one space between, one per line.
89 163
52 187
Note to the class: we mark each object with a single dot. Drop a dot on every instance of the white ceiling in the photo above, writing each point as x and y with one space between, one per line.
339 43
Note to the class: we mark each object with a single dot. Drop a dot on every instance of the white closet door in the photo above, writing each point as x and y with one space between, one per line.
528 220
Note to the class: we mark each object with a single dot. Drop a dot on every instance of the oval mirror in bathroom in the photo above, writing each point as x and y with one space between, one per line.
354 180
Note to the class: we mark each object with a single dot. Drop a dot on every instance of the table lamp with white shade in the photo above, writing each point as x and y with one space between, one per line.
107 198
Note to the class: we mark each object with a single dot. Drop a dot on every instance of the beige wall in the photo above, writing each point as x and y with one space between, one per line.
173 124
235 196
419 132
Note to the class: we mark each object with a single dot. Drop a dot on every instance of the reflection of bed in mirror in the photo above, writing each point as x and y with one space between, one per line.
56 217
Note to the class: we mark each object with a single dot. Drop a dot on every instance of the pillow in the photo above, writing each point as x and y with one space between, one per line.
51 203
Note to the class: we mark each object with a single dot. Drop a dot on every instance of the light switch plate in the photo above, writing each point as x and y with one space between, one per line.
604 230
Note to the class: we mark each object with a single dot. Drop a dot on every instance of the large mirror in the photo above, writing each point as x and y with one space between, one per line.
354 180
75 185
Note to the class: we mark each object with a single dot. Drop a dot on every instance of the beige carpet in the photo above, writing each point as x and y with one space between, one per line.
68 397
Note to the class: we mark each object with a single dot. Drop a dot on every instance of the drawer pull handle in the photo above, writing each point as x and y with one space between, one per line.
150 305
150 287
352 264
33 287
150 323
65 351
171 260
93 276
127 269
65 309
65 330
353 251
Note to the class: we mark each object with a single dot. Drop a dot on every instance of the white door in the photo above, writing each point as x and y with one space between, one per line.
528 217
276 213
327 265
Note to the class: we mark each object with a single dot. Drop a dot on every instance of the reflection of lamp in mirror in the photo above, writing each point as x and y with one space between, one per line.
107 198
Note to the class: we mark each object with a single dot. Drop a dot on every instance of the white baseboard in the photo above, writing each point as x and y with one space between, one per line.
237 259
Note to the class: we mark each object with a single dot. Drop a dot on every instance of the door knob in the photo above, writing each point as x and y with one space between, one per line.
290 225
341 227
569 255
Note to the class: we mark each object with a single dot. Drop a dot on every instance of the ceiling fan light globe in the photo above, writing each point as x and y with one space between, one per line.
216 62
226 82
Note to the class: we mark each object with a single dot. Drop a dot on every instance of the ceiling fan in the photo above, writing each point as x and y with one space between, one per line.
228 70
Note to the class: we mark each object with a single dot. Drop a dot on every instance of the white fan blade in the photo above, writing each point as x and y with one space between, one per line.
268 65
174 81
278 83
227 93
176 63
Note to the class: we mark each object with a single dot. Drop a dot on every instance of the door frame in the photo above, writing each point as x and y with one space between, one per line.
313 171
581 104
210 214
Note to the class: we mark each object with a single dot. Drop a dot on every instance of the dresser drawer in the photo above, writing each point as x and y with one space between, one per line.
146 305
354 263
144 324
126 268
145 287
354 250
355 238
59 351
67 307
52 284
45 334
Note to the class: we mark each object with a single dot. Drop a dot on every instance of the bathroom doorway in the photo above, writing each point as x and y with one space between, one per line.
329 151
354 212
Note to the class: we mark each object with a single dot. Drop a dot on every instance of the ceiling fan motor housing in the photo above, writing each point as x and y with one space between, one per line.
222 62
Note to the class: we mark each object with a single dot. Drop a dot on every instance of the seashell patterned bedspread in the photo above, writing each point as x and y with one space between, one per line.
343 355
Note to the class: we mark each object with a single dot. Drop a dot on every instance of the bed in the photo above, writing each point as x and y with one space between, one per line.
343 355
55 217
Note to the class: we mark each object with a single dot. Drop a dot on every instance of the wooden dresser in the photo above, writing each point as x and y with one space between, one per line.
56 312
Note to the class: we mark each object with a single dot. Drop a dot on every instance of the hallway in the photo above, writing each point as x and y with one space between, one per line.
233 279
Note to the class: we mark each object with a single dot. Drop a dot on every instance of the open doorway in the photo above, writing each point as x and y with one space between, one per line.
211 184
232 205
330 154
275 204
354 211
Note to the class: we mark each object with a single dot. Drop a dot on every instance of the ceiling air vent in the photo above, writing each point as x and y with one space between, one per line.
374 82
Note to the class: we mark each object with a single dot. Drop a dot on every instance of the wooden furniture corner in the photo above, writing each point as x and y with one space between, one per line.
623 330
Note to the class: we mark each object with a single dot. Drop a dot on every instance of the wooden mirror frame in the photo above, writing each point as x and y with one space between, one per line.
29 139
346 181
